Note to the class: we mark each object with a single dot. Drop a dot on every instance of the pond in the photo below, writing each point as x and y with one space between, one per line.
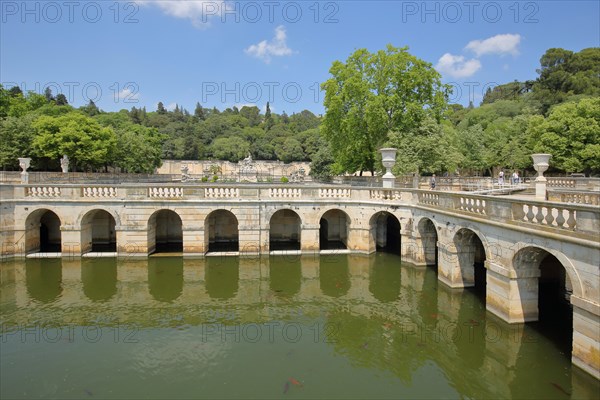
335 326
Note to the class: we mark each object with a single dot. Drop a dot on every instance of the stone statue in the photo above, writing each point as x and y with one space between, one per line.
247 164
64 163
184 173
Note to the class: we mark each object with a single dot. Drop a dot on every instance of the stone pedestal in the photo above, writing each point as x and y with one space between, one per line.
540 163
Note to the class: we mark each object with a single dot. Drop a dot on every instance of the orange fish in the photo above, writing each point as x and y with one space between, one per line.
295 382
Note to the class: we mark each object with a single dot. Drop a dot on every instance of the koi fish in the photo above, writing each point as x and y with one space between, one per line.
88 392
387 325
558 387
434 315
295 382
286 387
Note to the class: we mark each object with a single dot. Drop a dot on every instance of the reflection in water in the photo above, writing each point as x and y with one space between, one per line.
285 278
222 276
99 279
387 331
44 279
334 277
165 278
384 283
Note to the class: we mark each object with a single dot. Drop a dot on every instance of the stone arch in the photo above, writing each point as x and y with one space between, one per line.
98 231
221 231
527 258
471 251
43 231
285 229
165 232
384 232
545 286
334 229
428 238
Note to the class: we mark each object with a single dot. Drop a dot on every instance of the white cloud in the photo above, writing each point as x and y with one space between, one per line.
127 95
500 44
457 66
275 47
199 12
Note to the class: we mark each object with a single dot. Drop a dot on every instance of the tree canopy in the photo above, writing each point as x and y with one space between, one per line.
373 94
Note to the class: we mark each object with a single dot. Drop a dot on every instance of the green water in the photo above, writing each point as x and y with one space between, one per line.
341 326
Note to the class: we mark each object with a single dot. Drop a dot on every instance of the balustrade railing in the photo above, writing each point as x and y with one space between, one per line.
221 193
99 191
165 192
43 191
577 212
285 193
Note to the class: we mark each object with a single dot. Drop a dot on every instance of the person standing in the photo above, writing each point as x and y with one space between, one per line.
432 182
515 178
501 178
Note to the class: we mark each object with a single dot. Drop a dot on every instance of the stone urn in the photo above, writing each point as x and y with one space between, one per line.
541 164
388 159
24 163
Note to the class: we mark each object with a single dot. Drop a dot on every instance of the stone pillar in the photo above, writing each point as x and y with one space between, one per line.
540 163
359 240
193 241
132 242
388 158
249 240
309 238
449 265
411 249
512 298
586 336
71 245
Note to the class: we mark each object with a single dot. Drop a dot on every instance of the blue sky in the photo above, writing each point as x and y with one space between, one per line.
225 53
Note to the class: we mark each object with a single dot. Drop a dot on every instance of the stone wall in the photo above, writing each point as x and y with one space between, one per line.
202 167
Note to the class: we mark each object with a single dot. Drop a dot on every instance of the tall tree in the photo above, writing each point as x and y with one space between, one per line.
268 118
199 112
372 94
160 108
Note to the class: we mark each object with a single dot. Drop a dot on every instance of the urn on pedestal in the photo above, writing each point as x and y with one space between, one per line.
541 164
388 159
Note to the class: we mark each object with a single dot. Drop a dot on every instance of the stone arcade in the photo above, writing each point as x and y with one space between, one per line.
512 240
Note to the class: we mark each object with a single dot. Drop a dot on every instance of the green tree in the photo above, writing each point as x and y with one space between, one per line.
138 149
373 94
321 165
571 133
16 135
231 149
87 144
61 100
268 118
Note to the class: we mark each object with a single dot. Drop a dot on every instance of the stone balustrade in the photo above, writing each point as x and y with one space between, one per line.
165 192
285 193
43 191
566 214
575 197
99 191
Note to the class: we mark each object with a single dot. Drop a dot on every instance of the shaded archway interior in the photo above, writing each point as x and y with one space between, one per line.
222 231
333 230
165 233
471 260
429 240
98 232
553 293
284 230
385 229
43 232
